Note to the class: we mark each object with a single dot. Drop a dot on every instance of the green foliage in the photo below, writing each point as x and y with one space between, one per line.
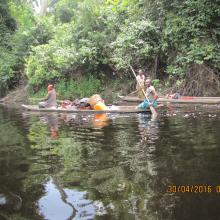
7 23
192 36
7 61
72 89
174 70
91 28
104 36
64 10
7 27
22 13
156 83
38 67
178 83
137 43
17 47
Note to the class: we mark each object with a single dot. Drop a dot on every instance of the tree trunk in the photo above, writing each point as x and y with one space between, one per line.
154 75
43 7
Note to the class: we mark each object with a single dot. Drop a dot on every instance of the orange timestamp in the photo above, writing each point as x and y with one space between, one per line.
193 189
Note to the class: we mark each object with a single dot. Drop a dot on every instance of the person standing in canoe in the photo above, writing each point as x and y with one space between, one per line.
151 94
50 100
140 83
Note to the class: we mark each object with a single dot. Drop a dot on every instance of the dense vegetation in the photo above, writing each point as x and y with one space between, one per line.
176 42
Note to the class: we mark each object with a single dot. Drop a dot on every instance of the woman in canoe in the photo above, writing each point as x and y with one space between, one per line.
151 94
50 100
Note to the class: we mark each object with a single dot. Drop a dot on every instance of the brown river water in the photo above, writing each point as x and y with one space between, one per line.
119 166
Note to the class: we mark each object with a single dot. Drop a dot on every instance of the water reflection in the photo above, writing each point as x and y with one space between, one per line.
149 129
83 120
100 120
121 171
66 204
52 121
151 174
10 201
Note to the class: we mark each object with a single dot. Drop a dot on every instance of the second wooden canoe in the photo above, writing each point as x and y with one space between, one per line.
186 99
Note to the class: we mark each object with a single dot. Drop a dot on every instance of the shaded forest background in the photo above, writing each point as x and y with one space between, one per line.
86 46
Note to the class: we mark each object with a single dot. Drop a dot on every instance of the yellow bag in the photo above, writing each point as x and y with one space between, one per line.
94 100
100 106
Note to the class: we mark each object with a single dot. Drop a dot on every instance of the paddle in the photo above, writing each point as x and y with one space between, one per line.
153 111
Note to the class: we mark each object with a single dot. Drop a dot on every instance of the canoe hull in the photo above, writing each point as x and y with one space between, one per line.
116 109
187 99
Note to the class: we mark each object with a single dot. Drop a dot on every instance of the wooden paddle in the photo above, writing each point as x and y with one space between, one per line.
153 111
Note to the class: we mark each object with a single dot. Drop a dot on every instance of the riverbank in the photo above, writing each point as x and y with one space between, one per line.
16 96
68 91
110 90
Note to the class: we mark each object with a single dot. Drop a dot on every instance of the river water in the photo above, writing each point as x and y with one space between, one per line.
69 166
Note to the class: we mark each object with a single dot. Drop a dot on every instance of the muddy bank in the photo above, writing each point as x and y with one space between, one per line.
16 97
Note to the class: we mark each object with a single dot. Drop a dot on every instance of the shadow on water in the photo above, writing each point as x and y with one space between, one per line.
69 166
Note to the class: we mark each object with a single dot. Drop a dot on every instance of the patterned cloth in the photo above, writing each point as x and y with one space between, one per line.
140 85
145 104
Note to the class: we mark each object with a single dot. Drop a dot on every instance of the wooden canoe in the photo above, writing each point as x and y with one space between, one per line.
113 109
183 99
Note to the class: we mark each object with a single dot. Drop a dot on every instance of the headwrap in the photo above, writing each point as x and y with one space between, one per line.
49 87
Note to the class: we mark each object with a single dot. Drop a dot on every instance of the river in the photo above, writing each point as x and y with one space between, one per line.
69 166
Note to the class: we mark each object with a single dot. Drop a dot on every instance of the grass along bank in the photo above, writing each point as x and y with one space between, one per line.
85 87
